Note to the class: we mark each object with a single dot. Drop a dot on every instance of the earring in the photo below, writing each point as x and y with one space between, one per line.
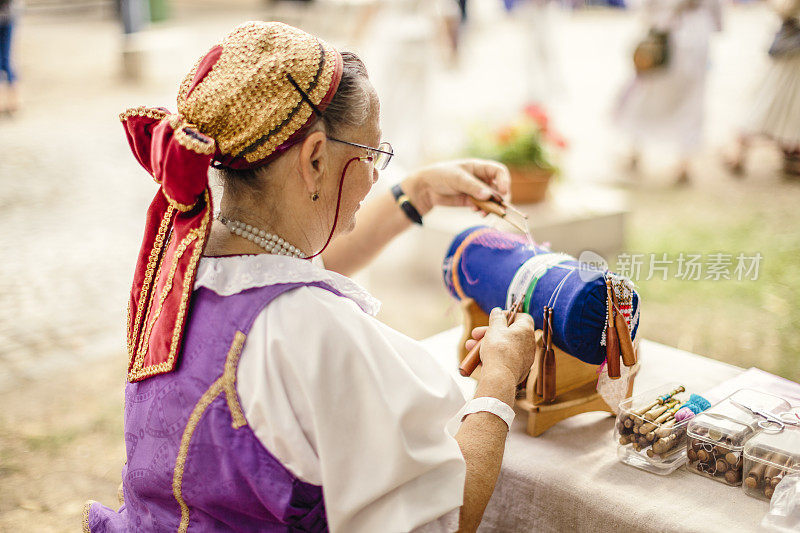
315 197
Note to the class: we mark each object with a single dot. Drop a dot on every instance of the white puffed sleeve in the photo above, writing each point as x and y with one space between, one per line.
346 402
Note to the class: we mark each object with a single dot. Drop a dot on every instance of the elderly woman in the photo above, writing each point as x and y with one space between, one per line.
262 393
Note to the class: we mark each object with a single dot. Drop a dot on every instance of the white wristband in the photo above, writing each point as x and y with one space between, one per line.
490 405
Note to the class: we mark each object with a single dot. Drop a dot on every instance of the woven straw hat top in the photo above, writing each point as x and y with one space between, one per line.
240 93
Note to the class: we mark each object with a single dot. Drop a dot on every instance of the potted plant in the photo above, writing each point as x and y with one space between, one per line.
525 146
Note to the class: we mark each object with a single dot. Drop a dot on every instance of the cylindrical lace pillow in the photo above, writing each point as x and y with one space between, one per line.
494 268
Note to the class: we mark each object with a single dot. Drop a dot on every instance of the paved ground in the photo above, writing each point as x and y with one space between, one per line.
73 200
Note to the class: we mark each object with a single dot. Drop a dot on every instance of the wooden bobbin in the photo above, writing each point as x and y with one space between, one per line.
575 381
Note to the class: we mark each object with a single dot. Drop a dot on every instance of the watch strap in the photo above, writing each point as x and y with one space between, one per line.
405 204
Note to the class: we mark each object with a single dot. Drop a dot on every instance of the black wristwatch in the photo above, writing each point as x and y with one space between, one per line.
406 205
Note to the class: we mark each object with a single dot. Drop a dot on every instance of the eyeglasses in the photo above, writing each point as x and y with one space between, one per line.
380 155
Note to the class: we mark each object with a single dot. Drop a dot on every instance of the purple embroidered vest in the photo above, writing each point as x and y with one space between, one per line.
192 460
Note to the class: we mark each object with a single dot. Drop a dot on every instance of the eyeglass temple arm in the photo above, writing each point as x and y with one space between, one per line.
318 112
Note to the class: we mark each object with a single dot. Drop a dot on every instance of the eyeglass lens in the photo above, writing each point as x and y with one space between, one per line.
382 158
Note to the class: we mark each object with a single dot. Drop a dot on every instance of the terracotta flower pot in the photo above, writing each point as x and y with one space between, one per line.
529 183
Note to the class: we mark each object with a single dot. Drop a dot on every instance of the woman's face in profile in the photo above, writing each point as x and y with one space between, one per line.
361 175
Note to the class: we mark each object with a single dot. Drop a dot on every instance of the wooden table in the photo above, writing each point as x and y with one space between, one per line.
569 479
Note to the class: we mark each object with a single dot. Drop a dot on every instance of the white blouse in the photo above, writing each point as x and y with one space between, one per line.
344 401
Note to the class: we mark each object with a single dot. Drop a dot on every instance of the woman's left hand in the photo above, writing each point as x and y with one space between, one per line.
453 182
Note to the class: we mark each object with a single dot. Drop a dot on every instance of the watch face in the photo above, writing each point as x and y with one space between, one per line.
397 191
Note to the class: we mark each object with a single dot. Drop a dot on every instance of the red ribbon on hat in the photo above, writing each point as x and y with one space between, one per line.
178 222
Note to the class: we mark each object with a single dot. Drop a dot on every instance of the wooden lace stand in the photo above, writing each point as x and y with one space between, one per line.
576 381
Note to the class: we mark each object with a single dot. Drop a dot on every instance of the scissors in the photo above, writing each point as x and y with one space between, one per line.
778 422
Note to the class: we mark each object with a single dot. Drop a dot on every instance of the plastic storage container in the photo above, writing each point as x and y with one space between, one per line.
767 458
661 449
717 436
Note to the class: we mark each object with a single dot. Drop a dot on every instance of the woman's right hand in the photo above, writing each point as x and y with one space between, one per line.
508 349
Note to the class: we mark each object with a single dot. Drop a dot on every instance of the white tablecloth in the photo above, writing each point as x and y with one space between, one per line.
569 479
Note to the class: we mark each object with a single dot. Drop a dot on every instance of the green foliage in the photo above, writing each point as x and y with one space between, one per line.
524 148
527 140
748 322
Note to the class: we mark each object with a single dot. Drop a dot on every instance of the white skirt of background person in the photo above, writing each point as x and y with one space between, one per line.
776 106
544 76
344 401
666 106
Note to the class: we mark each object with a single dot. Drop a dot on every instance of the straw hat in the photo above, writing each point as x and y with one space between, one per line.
240 95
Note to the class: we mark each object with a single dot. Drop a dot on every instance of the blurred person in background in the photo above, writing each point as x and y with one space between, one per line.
262 393
776 108
664 104
453 16
9 98
543 77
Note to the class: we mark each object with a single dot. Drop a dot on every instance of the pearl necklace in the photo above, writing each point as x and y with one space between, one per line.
268 241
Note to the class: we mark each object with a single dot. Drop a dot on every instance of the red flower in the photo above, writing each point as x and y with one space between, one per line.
556 138
538 114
